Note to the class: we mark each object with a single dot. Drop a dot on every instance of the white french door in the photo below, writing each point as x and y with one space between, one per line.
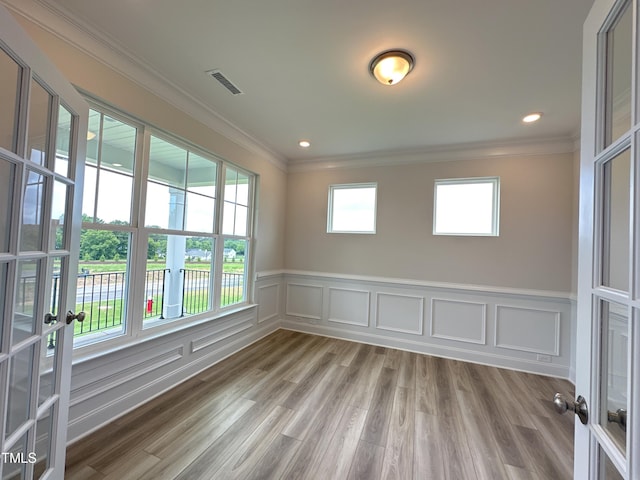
41 164
607 445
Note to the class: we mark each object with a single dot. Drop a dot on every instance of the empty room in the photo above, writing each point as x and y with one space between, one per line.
323 240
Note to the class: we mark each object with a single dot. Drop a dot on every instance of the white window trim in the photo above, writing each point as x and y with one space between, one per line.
135 330
495 214
345 186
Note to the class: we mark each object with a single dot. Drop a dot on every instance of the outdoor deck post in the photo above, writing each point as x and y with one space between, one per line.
176 247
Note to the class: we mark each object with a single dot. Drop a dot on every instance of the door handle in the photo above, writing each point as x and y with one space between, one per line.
619 417
71 316
579 407
49 319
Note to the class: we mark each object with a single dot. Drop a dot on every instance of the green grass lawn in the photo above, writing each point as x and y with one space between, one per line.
109 266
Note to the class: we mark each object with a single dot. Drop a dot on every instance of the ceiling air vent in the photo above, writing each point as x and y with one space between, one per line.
224 81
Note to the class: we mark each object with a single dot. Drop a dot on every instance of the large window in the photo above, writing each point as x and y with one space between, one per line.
105 241
352 208
157 244
466 206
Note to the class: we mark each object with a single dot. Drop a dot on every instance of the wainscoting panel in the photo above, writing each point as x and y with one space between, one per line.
268 300
349 306
457 320
528 330
400 313
304 301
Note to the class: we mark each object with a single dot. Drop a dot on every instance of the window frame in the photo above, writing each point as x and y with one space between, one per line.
351 186
495 205
135 326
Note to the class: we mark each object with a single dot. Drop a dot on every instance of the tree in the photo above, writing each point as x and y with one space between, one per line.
97 244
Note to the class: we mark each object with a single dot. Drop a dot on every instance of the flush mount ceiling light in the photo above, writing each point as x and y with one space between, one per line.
532 117
392 66
304 143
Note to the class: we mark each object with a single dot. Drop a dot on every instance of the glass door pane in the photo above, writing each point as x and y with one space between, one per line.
39 124
619 42
32 212
19 400
614 351
27 288
616 191
10 78
7 181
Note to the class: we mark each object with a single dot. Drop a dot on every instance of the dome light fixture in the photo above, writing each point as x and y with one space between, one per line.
532 117
391 66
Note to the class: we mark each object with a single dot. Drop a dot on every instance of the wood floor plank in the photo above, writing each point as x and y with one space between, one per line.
425 385
365 382
515 473
337 459
316 349
320 432
377 424
367 463
398 458
481 442
504 433
134 467
217 452
545 461
299 406
245 458
305 386
407 370
182 455
274 461
428 456
323 392
82 472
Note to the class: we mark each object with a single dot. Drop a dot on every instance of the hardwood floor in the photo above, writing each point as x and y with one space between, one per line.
298 406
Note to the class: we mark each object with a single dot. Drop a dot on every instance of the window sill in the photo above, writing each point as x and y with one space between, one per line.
88 351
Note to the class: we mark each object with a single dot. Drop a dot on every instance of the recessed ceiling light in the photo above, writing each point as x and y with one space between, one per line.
304 143
532 117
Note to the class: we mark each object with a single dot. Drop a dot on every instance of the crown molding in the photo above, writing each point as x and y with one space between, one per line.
445 153
106 50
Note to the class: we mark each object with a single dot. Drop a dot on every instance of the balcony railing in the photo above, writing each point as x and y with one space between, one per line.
102 296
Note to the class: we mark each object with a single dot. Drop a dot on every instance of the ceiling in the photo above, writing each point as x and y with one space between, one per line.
302 66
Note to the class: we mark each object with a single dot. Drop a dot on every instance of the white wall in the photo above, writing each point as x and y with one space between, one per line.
505 301
533 251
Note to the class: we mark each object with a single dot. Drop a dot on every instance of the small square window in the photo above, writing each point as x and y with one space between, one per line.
352 208
467 206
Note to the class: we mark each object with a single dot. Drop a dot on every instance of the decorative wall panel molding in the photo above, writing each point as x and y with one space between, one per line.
304 301
113 379
349 306
528 329
268 299
400 313
459 320
219 336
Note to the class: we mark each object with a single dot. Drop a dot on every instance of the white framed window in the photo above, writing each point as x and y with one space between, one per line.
167 231
352 208
467 206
